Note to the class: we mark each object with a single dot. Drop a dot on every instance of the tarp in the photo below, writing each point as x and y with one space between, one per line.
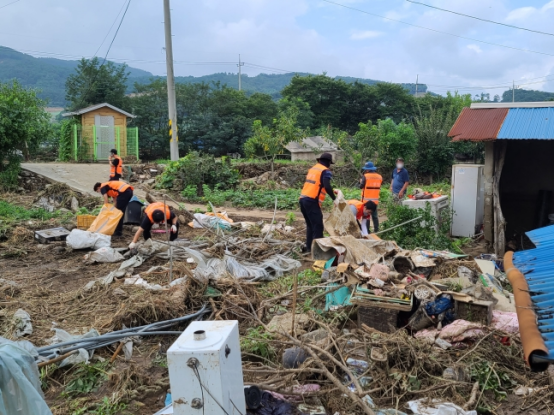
356 251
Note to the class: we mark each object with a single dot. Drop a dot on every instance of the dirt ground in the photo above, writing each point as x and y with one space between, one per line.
51 280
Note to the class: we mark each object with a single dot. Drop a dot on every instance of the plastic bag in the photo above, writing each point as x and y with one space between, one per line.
23 323
341 221
79 239
20 391
82 355
211 220
104 255
436 407
106 222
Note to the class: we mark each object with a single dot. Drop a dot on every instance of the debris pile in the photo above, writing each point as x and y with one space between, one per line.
144 174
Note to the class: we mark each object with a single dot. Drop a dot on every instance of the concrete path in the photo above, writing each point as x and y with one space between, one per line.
83 176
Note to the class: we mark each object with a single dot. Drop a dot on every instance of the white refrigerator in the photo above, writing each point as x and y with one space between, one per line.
468 200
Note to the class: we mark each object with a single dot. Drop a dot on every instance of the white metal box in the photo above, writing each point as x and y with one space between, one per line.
468 200
205 370
439 208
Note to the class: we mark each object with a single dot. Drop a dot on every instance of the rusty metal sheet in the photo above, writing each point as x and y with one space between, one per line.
478 124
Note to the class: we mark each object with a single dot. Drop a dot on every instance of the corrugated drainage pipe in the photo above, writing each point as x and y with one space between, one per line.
531 338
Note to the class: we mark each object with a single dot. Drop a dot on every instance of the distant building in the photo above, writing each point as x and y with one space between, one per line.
311 147
53 112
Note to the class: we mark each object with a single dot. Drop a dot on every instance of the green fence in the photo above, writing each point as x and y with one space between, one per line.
92 143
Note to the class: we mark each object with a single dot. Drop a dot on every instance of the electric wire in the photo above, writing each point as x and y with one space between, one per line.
437 31
6 5
197 374
481 19
110 29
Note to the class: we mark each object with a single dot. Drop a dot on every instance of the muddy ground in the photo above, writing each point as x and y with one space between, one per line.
51 279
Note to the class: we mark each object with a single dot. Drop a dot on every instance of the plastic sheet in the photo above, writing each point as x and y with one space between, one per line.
106 222
214 268
437 407
82 355
211 220
104 255
79 239
20 391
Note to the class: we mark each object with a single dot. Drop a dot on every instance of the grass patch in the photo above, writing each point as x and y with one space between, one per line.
107 407
86 379
257 342
11 214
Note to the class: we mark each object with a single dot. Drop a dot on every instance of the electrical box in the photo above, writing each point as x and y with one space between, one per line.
468 200
205 370
439 208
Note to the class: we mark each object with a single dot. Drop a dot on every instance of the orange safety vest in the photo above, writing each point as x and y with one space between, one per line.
116 187
116 170
372 187
149 210
359 207
313 187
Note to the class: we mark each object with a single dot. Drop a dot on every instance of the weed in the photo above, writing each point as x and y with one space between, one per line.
491 379
11 214
198 211
458 243
291 217
160 360
86 379
454 286
109 408
256 342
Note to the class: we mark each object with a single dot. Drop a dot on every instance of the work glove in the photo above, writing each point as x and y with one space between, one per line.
132 246
173 229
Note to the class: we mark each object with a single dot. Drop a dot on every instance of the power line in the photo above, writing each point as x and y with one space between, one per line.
438 31
478 18
6 5
111 27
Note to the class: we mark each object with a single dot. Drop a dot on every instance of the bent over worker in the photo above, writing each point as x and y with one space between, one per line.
116 166
121 193
370 185
363 211
317 185
156 213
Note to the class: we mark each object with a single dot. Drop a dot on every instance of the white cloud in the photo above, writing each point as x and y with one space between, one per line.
475 48
521 13
549 5
365 34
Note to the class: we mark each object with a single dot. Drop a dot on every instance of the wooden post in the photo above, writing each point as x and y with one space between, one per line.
489 203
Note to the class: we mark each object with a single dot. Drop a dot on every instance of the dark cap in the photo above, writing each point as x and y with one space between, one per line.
327 156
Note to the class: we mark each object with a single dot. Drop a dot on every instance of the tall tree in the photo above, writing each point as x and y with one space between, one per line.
94 83
23 123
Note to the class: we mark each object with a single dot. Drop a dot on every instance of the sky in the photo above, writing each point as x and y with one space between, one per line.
358 38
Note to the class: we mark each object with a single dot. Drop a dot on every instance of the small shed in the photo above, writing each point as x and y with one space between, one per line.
519 172
311 147
104 127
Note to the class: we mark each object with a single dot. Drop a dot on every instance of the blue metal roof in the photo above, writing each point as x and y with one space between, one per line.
528 123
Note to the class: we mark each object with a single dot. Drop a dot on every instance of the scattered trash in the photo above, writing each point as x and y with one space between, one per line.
293 357
436 407
104 255
52 234
23 325
79 239
456 373
465 273
211 220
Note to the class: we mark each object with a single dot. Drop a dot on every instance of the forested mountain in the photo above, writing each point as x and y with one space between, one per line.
49 75
526 96
46 74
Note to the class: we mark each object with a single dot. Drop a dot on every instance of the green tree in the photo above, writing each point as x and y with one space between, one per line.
394 141
305 113
23 123
271 141
93 83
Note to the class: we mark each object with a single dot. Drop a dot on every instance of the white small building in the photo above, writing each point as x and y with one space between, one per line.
312 147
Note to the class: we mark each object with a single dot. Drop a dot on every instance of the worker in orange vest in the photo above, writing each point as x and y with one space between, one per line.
370 185
316 186
362 211
116 166
156 213
121 193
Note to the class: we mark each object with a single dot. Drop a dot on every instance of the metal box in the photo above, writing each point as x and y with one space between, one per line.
439 208
205 370
468 200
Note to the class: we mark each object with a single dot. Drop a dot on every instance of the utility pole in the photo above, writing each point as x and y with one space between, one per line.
171 102
240 73
513 91
416 80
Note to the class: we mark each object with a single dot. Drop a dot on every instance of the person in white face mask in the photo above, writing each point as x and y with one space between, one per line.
400 181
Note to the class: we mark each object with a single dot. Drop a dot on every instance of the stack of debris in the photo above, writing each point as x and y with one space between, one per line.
144 173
